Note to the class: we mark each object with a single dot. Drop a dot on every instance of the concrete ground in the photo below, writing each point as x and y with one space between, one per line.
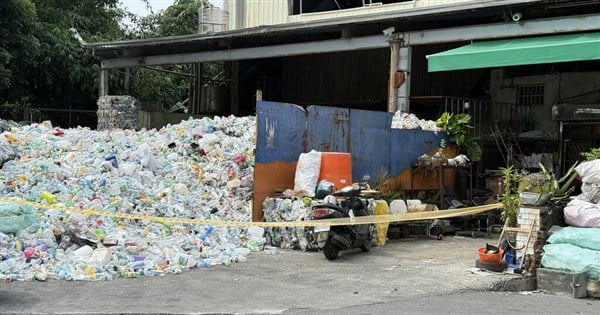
413 269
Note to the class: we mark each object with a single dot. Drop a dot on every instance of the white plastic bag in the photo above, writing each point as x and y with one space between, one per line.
582 214
590 178
589 171
307 173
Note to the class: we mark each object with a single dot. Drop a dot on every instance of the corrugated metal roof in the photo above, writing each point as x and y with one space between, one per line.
409 19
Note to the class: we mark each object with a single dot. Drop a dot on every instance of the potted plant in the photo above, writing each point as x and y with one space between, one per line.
432 162
535 188
510 196
457 127
562 188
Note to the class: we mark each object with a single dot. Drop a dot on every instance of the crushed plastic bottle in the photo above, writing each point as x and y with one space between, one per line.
125 171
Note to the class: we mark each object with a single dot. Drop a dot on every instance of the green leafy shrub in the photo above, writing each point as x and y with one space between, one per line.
457 127
592 154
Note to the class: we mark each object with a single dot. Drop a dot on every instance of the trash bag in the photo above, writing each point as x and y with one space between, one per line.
590 178
572 258
582 237
7 153
381 207
581 213
14 218
307 173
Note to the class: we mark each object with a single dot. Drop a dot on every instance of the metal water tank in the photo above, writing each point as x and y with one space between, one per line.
214 99
212 20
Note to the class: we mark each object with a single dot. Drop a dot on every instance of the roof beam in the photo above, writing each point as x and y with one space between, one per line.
316 47
567 24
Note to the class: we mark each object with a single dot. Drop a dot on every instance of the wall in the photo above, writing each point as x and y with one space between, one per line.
284 131
574 87
261 12
526 216
352 77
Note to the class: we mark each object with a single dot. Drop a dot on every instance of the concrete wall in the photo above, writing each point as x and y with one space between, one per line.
575 88
261 12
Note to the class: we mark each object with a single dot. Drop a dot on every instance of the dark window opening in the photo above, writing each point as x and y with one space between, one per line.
530 95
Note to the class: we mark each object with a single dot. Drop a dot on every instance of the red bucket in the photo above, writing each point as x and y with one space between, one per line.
490 258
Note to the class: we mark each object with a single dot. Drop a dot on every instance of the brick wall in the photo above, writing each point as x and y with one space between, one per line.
524 218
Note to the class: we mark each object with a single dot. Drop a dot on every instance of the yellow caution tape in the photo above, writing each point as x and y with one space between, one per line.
386 218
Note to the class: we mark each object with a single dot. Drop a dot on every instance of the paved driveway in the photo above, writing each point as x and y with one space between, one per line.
272 283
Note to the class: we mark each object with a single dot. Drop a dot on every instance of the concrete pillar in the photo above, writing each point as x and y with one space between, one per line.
126 80
394 53
403 96
103 87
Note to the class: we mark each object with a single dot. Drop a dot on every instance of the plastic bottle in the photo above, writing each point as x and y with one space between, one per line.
90 272
203 263
113 160
14 277
131 274
65 241
49 197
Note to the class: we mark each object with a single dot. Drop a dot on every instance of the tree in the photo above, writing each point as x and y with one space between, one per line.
19 48
42 64
64 76
181 18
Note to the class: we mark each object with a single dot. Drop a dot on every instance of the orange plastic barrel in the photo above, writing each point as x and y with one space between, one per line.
336 167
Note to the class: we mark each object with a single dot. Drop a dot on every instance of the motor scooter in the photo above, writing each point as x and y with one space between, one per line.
333 239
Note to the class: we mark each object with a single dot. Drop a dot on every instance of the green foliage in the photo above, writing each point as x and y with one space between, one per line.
181 18
427 162
562 188
42 64
167 88
19 47
592 154
545 182
457 127
510 196
541 183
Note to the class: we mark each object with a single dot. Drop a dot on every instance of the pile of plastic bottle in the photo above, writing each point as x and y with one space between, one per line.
285 209
197 169
402 120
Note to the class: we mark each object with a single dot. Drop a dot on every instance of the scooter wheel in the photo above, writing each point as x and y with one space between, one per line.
366 247
330 251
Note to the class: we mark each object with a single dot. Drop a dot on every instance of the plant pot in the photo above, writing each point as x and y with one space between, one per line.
495 258
533 199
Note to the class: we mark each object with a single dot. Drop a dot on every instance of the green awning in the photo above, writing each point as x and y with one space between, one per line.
520 51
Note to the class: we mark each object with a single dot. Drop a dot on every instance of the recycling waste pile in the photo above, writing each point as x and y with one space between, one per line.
402 120
295 204
575 247
198 169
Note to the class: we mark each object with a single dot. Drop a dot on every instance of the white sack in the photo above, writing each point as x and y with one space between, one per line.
582 214
589 172
307 173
